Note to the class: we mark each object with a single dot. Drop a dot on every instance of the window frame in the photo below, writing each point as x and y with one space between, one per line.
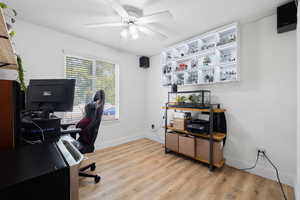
117 78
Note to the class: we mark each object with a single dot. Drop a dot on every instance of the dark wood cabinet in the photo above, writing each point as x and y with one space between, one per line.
10 104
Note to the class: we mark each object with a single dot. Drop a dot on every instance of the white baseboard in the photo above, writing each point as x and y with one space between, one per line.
263 171
154 136
115 142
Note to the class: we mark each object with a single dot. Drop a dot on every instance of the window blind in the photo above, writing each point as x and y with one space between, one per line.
91 76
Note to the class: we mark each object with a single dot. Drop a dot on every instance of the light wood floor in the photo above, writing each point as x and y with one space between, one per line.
140 170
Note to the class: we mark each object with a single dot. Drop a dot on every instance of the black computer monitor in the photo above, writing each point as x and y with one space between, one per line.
50 95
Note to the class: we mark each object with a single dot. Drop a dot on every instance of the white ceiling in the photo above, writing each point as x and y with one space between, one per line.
191 17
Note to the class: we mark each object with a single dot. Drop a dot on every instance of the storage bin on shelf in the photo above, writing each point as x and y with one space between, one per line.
202 150
172 141
187 145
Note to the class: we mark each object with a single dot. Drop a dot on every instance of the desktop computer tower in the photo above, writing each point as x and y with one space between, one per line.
11 102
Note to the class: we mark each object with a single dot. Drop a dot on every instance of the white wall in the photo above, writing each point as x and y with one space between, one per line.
42 52
297 186
261 107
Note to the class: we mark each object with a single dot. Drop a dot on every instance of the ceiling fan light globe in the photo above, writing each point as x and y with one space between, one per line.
133 29
135 36
124 33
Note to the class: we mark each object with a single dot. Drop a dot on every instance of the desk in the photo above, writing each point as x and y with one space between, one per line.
34 172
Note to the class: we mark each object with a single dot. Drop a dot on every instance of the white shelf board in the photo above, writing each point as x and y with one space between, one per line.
195 55
227 64
231 45
206 66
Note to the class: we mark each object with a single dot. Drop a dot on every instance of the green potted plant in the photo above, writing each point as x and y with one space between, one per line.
180 99
194 98
21 74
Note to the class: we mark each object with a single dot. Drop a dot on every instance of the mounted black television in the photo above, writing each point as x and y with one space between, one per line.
287 17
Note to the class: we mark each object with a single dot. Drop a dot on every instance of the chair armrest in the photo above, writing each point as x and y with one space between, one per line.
66 126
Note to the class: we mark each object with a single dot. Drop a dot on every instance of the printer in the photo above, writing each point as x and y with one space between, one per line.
197 126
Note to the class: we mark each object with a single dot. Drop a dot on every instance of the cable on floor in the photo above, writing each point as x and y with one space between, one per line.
277 173
263 153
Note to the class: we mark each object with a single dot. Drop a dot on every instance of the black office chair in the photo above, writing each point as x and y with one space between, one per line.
92 130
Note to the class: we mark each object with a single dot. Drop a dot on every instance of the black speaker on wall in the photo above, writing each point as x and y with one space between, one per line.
287 17
144 62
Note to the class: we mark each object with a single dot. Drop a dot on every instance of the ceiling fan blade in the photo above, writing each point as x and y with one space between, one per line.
151 2
118 8
113 24
150 31
155 17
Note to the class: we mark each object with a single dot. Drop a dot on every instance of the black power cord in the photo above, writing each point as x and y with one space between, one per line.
263 153
277 173
257 158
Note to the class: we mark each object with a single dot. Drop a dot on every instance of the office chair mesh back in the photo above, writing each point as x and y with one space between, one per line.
93 127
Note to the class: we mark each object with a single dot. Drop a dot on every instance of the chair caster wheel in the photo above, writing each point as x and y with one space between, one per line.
97 179
93 167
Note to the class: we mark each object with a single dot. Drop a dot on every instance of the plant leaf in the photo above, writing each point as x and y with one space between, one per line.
3 5
12 33
15 12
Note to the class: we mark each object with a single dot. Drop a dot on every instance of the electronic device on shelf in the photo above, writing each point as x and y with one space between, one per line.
197 126
34 129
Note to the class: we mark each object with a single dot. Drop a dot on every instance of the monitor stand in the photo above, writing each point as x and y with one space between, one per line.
46 110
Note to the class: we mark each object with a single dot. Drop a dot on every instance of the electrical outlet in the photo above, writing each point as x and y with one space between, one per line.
261 150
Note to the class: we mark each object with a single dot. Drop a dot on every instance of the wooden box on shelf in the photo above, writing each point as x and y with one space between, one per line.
202 150
172 141
179 123
7 54
3 29
187 145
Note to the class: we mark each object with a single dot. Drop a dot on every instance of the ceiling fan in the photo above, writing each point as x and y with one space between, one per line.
133 20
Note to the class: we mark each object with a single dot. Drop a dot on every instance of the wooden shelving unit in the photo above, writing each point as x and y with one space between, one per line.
7 56
212 137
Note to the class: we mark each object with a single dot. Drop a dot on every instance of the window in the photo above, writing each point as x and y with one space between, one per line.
92 75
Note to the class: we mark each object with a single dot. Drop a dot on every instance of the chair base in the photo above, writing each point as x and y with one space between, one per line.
84 174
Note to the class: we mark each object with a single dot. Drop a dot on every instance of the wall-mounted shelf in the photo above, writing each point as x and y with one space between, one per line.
214 55
7 55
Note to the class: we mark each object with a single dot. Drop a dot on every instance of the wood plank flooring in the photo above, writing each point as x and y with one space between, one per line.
140 170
